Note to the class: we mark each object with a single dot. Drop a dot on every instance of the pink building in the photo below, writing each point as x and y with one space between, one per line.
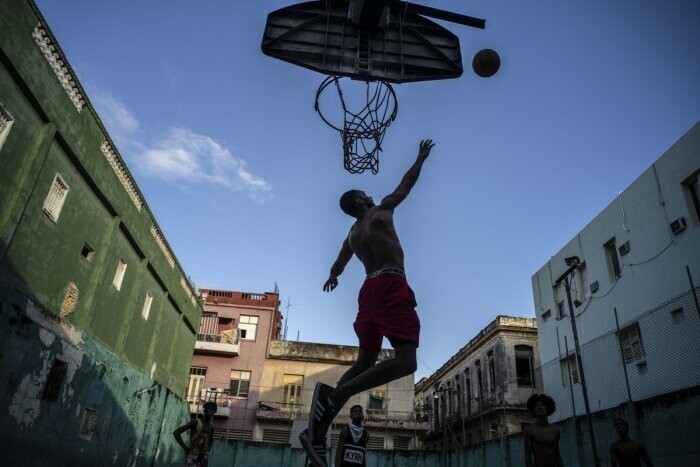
229 355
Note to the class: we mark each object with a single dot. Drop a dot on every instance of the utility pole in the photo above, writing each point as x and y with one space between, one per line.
573 262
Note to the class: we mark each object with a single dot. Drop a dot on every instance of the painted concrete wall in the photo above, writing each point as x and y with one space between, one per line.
134 415
50 136
57 305
666 425
653 272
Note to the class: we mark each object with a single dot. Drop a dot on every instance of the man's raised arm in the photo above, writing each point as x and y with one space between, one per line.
410 178
344 256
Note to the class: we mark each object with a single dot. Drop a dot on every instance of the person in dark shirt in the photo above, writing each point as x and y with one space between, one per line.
352 441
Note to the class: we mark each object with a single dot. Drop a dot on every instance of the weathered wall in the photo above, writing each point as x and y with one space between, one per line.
103 208
667 425
135 415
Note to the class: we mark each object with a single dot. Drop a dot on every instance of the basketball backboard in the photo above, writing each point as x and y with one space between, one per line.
383 40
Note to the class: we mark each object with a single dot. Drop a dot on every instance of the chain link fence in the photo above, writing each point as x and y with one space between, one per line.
657 352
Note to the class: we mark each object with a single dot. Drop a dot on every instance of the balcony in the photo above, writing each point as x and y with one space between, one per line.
223 409
225 343
281 411
385 419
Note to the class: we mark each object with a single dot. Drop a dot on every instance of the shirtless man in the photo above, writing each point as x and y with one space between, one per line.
201 437
542 438
386 304
626 452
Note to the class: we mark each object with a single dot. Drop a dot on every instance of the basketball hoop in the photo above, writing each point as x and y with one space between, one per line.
362 131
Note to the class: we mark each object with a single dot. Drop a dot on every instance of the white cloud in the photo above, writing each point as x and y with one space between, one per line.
179 155
116 116
184 156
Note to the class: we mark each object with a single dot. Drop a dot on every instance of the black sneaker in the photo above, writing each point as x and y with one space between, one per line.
315 451
322 410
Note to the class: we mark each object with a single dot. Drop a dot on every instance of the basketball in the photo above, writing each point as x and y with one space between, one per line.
486 63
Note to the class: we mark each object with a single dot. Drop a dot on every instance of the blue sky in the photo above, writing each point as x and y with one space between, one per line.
244 177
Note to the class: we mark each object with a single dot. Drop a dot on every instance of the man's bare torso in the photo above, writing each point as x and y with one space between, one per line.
628 453
544 444
374 241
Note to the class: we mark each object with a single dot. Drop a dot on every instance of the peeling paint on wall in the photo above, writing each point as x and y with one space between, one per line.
25 405
50 322
46 337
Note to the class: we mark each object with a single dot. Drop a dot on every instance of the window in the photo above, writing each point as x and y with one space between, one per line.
6 121
524 365
693 186
292 386
147 306
377 403
240 383
492 371
468 388
87 252
53 204
247 327
54 381
546 315
195 384
612 259
480 387
119 274
560 310
569 367
87 427
458 396
401 442
631 344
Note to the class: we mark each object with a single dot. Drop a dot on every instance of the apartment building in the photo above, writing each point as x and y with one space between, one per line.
480 392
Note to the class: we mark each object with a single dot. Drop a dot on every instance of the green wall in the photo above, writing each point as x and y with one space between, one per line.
50 136
131 371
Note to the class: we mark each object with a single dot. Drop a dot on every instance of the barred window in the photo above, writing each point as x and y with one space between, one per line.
6 121
631 344
119 274
569 366
146 310
53 204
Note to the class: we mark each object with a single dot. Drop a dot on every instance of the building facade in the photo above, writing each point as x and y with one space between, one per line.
232 343
291 372
96 314
634 295
480 392
263 385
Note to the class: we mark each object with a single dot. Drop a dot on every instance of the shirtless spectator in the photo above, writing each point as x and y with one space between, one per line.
542 438
626 452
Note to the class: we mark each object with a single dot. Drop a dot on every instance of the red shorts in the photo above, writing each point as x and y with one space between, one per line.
387 308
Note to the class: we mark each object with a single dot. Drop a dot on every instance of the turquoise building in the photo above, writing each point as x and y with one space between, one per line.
97 318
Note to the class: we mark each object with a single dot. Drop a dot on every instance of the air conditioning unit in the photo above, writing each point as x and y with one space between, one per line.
594 287
678 225
624 248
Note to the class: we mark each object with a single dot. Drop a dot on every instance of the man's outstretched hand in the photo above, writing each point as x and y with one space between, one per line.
330 284
425 146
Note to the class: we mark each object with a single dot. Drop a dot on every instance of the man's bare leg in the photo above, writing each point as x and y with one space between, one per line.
403 364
